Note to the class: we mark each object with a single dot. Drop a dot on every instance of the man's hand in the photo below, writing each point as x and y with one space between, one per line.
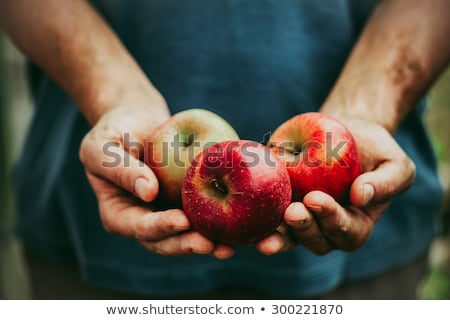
321 224
125 186
87 59
400 52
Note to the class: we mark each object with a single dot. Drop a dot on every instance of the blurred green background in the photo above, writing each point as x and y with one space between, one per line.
437 284
15 112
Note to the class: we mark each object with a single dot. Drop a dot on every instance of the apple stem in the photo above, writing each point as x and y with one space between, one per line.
219 186
186 139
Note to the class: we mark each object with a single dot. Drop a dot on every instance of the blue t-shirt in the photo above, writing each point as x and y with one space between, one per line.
256 63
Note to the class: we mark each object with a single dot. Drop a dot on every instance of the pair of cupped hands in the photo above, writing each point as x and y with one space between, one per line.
125 192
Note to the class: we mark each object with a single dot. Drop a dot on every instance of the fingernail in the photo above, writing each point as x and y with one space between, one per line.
300 218
314 207
180 227
276 246
141 187
368 193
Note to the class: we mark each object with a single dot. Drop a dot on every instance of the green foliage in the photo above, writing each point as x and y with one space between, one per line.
436 286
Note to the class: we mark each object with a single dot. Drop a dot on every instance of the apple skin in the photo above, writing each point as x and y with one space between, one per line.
176 142
320 153
236 192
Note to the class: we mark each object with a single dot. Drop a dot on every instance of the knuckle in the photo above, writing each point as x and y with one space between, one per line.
341 229
411 170
108 227
164 220
153 247
121 178
141 227
186 250
160 248
186 243
411 165
168 247
83 151
106 224
154 230
142 230
385 190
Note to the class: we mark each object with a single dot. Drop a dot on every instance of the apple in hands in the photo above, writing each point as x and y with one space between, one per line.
236 192
320 153
176 142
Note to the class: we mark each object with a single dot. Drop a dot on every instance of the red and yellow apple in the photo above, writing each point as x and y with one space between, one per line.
176 142
319 152
236 192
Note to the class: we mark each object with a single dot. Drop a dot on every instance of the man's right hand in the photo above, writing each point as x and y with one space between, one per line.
125 186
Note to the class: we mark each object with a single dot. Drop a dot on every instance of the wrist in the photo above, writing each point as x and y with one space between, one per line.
144 98
375 101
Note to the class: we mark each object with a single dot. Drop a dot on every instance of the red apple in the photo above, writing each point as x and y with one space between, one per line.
236 192
320 153
176 142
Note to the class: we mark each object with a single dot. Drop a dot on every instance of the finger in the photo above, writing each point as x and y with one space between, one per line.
122 214
155 226
297 216
222 252
181 245
110 161
305 229
271 244
157 231
344 229
387 180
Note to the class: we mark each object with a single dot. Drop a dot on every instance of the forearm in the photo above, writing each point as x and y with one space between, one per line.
73 44
403 48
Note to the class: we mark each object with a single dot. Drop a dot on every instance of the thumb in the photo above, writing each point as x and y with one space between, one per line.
387 180
110 161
